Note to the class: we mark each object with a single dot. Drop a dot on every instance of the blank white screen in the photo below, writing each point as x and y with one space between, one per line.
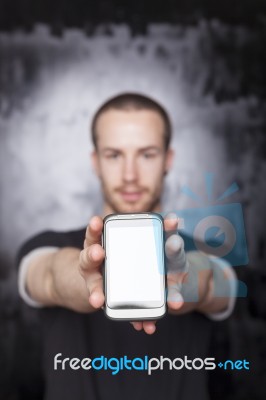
133 270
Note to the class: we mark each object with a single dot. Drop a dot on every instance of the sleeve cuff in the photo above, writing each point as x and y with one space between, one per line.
232 279
22 274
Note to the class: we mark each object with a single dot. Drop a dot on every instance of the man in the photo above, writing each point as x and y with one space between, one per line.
61 273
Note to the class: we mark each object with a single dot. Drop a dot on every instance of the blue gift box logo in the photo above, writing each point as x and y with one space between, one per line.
217 230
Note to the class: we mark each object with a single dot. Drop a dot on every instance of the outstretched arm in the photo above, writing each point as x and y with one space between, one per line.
69 277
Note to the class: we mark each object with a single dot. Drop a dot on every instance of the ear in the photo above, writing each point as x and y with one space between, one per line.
95 162
169 158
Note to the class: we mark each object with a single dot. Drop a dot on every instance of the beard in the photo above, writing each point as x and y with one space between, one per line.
150 200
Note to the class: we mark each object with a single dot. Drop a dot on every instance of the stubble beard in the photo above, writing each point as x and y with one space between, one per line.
152 203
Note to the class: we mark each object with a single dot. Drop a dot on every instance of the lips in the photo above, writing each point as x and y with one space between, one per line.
131 197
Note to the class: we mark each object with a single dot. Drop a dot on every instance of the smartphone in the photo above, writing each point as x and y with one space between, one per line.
134 267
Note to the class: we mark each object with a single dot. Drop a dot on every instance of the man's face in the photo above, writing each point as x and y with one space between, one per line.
131 160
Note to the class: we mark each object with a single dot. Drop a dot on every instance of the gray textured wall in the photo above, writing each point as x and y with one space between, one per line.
50 88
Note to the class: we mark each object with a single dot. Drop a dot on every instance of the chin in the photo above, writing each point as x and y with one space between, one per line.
133 208
147 204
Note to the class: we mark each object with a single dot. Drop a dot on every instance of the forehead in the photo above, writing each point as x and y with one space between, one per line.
139 128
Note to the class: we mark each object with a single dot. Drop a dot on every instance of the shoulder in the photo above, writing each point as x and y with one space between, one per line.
73 238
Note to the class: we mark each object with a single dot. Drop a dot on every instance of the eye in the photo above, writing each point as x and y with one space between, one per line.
149 155
112 156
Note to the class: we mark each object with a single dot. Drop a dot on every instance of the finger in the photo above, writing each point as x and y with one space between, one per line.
175 253
174 298
91 258
95 288
149 327
138 325
170 224
93 231
173 246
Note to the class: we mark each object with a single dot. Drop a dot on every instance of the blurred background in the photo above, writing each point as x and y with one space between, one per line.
205 61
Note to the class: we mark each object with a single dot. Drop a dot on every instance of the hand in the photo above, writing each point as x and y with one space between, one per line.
188 276
196 280
90 262
92 256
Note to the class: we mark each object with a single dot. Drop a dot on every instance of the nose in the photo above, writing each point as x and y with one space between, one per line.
130 172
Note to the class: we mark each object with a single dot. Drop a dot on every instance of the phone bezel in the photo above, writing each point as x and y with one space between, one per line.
136 313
